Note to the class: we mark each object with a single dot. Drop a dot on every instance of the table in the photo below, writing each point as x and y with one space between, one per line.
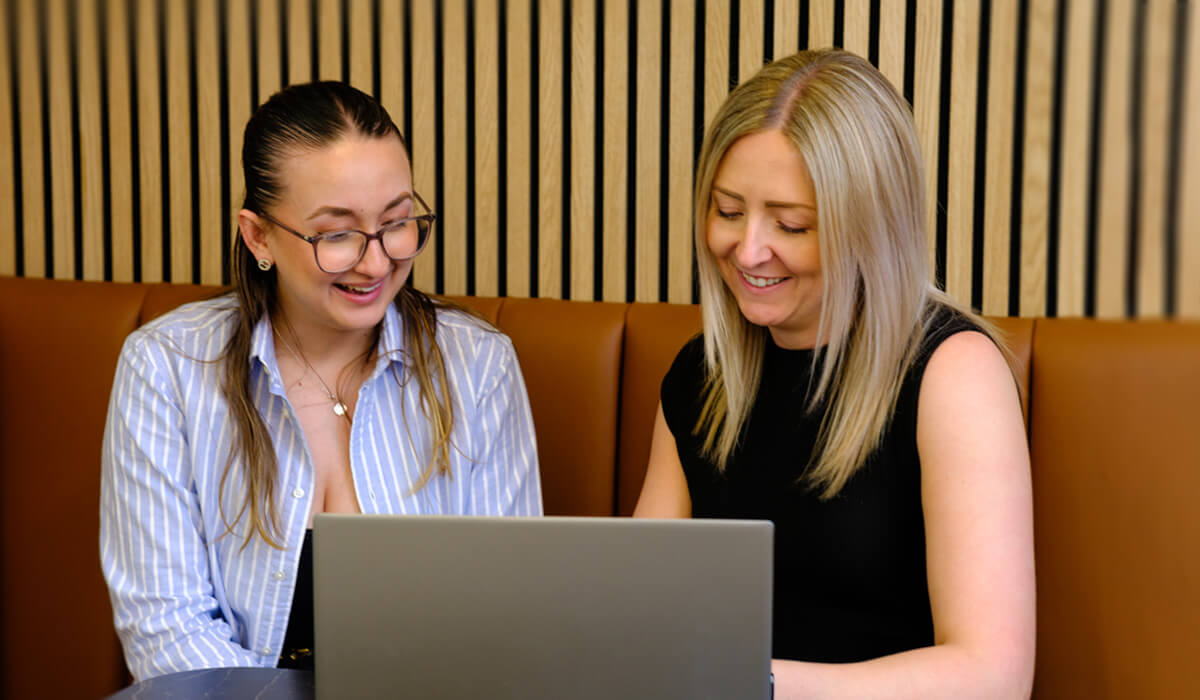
230 683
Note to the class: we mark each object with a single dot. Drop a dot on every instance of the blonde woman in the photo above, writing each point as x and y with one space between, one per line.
838 393
323 383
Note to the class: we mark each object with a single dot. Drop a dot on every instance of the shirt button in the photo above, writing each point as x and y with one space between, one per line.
266 650
279 576
372 494
298 493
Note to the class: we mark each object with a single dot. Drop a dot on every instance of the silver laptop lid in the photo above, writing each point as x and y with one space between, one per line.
455 607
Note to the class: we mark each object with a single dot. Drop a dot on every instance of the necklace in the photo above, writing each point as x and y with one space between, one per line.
339 406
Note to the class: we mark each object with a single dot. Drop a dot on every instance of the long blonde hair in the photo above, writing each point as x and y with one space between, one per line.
856 136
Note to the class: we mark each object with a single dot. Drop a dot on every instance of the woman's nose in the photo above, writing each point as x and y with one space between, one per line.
754 248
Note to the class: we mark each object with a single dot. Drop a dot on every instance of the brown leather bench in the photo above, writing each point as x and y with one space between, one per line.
1113 410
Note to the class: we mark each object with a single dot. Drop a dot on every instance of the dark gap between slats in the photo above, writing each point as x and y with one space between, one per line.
598 157
664 154
47 162
502 160
18 146
943 145
76 148
135 139
1014 236
472 214
1135 104
223 228
979 223
534 211
164 138
1178 83
439 143
1096 117
105 149
194 139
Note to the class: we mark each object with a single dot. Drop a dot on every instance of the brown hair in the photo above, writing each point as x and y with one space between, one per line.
305 117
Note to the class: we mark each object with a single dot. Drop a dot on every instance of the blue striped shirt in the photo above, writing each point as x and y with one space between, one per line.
183 596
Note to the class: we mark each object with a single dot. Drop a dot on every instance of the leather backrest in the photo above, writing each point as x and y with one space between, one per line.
654 333
59 343
162 297
1115 432
570 354
1017 334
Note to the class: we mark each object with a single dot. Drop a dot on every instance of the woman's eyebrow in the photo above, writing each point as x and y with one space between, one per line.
330 210
768 205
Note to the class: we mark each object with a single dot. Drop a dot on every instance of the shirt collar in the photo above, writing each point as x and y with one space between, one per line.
391 342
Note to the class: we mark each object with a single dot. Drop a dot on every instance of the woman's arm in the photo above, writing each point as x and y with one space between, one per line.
665 490
505 479
151 549
977 500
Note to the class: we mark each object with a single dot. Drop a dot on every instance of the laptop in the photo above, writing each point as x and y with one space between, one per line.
532 608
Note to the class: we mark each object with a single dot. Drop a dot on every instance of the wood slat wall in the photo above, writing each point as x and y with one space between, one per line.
556 138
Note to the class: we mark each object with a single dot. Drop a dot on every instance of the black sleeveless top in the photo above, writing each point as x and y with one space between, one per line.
298 640
849 572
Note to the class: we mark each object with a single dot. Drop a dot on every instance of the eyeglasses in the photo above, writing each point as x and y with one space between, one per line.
338 251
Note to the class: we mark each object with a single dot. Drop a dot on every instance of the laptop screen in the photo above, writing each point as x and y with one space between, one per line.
452 607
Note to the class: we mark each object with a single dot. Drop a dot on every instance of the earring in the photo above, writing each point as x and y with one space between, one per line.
264 264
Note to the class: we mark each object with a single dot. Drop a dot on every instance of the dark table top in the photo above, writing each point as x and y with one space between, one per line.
263 683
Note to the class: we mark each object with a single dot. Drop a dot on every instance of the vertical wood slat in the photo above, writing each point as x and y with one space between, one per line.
787 29
648 138
856 20
1188 264
1112 224
716 58
149 91
391 66
181 121
1115 232
679 169
1154 96
516 142
960 207
454 153
207 122
424 147
91 159
329 41
583 155
616 119
267 43
299 22
927 104
820 24
998 175
8 146
892 16
62 141
33 165
550 149
361 26
1073 154
750 40
1035 197
487 148
120 143
238 53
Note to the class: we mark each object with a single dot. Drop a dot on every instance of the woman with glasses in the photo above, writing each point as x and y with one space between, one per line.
322 383
838 393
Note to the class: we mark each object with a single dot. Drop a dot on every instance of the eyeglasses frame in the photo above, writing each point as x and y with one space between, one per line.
429 217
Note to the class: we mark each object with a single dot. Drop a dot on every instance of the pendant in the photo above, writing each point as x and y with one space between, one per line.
339 408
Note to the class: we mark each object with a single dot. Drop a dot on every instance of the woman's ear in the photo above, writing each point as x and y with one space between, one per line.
254 235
